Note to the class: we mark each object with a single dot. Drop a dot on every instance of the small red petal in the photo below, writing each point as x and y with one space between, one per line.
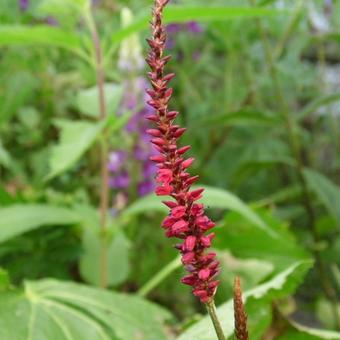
178 212
204 274
170 204
187 162
154 132
179 132
164 190
190 243
188 257
172 114
183 150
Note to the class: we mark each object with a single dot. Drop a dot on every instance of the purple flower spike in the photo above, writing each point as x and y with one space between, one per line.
145 188
116 160
23 4
51 21
173 28
121 181
194 27
149 169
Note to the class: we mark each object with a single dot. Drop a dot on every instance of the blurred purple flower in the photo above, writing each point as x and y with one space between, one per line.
116 159
149 169
23 4
174 28
121 181
194 27
145 187
51 21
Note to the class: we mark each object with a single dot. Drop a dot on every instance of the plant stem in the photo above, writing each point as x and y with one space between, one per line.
289 30
294 144
211 308
104 191
159 277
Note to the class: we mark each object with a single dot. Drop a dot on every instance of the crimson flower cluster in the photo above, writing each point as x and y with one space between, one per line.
186 220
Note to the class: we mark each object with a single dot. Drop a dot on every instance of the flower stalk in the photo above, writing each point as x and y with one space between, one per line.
240 316
104 150
186 220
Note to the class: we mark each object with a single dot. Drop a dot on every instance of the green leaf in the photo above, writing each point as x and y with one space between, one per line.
4 280
282 285
18 219
87 100
118 250
38 35
5 158
327 192
317 103
76 138
212 198
51 309
238 235
308 333
18 88
325 312
240 118
197 13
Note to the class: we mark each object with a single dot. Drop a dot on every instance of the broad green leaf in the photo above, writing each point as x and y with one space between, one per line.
118 250
87 100
239 118
51 309
325 313
38 35
252 271
284 195
212 198
76 138
281 285
21 218
308 333
238 235
327 191
197 13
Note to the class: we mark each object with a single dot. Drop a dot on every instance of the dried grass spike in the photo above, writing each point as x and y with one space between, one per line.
241 331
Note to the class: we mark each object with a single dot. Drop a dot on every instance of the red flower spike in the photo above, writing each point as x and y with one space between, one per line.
187 219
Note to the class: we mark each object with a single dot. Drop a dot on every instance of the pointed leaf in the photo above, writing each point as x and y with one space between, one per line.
51 309
76 138
18 219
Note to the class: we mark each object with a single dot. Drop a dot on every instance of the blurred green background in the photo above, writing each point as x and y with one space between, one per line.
258 87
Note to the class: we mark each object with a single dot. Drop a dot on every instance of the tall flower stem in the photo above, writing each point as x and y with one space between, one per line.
211 308
104 150
294 143
159 277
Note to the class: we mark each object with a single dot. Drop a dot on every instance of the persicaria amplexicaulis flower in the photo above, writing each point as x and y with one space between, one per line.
187 220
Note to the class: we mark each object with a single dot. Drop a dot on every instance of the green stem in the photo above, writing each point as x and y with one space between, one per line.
294 144
104 189
289 30
159 277
211 308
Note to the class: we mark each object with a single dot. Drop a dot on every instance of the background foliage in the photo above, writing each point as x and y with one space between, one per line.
258 88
